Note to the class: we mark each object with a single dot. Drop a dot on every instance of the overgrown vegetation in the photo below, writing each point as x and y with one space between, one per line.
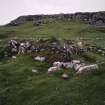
20 86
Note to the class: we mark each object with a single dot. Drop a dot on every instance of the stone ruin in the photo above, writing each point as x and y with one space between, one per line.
65 51
76 65
67 48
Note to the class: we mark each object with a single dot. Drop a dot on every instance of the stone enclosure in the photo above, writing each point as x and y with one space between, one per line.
58 51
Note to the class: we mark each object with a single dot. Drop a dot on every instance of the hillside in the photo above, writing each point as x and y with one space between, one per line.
61 29
94 18
20 86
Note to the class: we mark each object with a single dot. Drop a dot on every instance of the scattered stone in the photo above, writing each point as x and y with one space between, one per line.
63 51
14 57
34 71
74 64
67 49
75 61
38 58
65 76
87 68
57 64
80 44
53 69
67 65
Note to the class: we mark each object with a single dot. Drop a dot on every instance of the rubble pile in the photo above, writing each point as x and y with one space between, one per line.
54 52
66 49
18 47
76 65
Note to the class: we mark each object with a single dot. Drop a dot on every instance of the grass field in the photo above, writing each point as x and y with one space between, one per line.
59 29
20 86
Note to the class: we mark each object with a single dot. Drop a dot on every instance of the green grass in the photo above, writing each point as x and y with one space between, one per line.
59 29
19 86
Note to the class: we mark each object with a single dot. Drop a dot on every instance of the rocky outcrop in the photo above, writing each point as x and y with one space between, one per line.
94 18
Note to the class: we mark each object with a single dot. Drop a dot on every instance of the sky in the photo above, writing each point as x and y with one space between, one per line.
11 9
